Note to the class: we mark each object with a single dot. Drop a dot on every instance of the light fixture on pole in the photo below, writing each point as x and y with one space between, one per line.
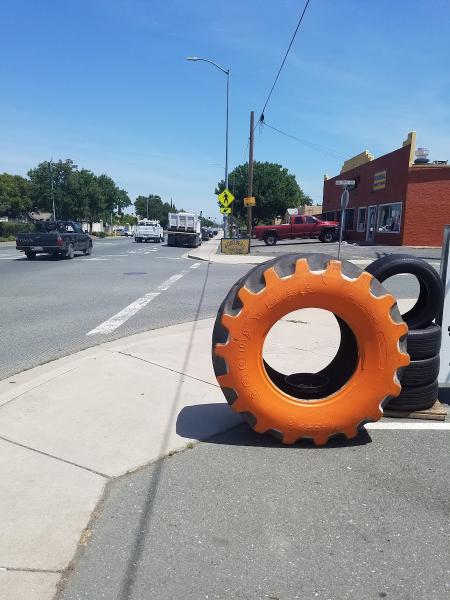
227 73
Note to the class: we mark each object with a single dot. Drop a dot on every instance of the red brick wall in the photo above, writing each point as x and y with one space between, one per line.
396 165
428 205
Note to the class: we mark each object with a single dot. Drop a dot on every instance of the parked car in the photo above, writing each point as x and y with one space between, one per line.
299 226
148 230
205 234
58 238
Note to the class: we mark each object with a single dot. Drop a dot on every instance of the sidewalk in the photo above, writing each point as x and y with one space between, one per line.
69 427
208 251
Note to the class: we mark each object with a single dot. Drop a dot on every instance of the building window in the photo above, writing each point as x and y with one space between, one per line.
349 219
362 219
389 218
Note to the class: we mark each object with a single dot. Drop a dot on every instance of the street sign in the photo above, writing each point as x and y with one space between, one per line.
226 198
225 210
345 182
345 196
250 201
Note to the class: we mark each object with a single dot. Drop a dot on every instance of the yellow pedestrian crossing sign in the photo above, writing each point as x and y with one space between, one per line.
226 198
225 210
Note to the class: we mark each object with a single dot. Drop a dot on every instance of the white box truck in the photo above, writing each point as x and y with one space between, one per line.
147 230
184 229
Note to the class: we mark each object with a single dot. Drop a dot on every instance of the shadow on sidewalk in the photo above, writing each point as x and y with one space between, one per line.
194 422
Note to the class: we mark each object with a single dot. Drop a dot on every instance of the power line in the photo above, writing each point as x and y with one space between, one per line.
312 145
261 118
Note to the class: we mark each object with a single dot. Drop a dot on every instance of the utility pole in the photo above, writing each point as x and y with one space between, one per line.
250 174
53 191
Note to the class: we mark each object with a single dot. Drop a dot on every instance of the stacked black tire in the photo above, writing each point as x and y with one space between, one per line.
419 380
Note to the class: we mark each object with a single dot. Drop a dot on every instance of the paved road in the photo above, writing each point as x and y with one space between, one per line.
49 307
241 517
348 250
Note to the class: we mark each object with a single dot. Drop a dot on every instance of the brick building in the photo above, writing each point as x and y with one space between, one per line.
396 200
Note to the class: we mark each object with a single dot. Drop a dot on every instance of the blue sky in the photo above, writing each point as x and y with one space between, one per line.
104 82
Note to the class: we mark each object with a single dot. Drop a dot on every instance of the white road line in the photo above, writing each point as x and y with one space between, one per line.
195 265
118 319
166 284
409 425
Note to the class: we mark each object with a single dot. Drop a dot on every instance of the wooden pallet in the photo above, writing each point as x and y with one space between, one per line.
437 412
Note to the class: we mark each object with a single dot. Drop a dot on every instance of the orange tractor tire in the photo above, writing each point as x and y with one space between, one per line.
366 313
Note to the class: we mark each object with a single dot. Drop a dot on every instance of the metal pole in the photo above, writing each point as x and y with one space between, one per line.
250 174
344 203
53 191
226 146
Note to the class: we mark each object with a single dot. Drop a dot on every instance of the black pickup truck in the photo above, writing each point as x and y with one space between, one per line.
58 238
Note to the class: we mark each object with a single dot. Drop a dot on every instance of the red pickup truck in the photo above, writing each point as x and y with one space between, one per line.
300 226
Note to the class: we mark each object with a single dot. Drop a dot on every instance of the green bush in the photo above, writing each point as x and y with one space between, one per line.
100 234
9 238
8 229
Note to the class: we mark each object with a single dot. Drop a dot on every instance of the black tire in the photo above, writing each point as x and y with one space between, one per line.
415 398
424 343
88 250
429 302
270 238
420 372
30 254
70 253
327 236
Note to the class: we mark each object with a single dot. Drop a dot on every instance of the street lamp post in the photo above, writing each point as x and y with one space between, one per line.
227 73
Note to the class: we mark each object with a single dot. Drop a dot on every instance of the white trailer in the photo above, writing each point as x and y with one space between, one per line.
184 229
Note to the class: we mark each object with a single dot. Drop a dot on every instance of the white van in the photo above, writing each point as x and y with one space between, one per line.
147 230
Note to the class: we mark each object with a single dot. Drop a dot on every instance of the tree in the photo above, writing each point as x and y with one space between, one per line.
53 180
157 209
274 188
78 194
15 196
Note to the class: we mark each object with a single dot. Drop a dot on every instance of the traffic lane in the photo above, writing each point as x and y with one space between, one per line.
242 516
348 250
197 295
47 309
47 313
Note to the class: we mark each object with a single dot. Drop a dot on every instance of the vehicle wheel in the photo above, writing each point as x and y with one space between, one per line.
30 254
327 236
270 239
88 250
424 343
291 282
70 252
430 298
415 398
420 372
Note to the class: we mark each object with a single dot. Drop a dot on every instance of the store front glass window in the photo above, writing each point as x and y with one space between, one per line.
389 218
361 219
349 219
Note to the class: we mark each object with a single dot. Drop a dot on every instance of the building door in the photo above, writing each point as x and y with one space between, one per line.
371 223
